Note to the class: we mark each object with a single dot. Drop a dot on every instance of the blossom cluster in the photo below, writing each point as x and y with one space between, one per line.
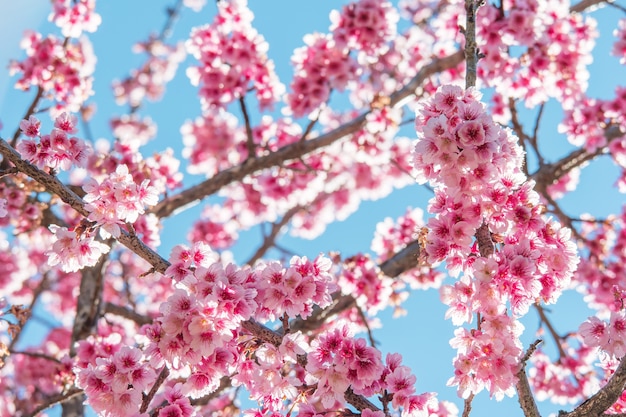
150 79
117 200
320 67
113 376
62 70
556 50
73 249
568 380
232 57
57 150
609 337
365 25
393 236
74 17
604 287
482 196
211 142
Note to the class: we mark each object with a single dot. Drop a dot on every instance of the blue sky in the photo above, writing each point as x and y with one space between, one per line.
421 336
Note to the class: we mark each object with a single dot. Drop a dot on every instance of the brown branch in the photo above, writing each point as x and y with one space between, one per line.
524 393
587 4
41 287
598 403
467 406
548 173
54 186
172 14
54 400
157 384
358 401
297 149
483 238
88 303
35 355
127 314
545 320
404 260
270 239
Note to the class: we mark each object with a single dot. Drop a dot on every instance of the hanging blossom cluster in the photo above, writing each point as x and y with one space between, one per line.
74 17
600 275
232 57
74 249
57 150
480 191
63 70
211 140
115 201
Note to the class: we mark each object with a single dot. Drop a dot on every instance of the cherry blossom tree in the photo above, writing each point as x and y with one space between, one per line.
447 97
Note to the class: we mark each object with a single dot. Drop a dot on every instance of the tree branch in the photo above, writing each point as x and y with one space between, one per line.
598 403
297 149
524 393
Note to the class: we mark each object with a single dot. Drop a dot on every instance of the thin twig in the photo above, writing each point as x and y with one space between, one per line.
54 400
157 384
270 239
467 405
524 393
29 112
557 339
246 119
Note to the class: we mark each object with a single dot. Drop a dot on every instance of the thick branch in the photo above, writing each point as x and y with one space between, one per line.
471 50
127 314
297 149
597 404
548 173
587 4
56 187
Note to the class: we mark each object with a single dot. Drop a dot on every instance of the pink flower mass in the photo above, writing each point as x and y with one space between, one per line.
392 218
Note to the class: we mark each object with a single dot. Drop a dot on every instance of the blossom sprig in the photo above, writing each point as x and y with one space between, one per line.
74 249
113 376
57 150
63 71
74 17
117 200
608 336
232 58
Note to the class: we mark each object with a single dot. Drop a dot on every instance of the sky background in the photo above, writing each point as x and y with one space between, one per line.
422 335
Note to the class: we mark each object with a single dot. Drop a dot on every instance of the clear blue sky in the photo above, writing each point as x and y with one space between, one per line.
422 336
